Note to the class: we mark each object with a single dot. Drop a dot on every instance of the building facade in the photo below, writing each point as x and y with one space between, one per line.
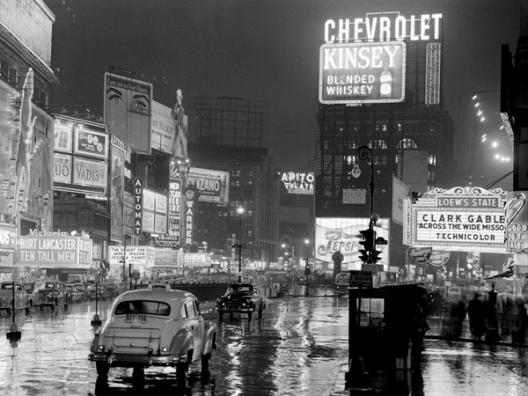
411 139
227 135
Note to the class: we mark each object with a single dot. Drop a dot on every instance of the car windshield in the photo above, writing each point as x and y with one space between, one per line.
142 307
242 289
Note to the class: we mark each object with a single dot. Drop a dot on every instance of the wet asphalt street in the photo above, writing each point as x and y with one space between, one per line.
298 348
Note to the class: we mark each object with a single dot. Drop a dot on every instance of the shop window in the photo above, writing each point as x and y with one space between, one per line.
372 312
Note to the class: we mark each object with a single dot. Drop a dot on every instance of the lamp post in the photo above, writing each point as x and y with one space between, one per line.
307 268
240 211
365 153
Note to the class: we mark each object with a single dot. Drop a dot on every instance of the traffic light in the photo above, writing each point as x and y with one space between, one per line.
368 236
307 269
374 257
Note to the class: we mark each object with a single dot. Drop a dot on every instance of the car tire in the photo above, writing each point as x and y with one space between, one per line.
102 369
205 364
138 374
182 369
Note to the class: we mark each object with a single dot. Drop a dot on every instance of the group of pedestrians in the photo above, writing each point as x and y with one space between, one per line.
492 317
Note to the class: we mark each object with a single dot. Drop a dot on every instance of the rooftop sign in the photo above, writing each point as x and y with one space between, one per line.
386 26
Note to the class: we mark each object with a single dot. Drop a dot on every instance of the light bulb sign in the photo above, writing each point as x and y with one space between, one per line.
355 73
458 219
298 182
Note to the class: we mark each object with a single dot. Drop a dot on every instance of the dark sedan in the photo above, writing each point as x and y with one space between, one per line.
242 298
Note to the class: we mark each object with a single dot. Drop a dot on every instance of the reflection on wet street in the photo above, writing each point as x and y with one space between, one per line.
298 348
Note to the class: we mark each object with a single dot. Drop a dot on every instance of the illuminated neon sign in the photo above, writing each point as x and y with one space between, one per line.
383 27
356 73
457 219
298 182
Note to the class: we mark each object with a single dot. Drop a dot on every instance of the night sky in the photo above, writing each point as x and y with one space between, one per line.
265 49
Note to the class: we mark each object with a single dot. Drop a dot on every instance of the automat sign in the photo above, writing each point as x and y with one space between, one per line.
457 219
138 205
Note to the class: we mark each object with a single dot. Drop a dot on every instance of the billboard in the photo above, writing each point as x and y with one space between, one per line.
356 73
80 156
154 212
298 182
182 122
8 234
333 234
212 186
163 128
169 259
31 22
54 250
127 110
63 132
516 214
135 255
90 142
117 185
458 219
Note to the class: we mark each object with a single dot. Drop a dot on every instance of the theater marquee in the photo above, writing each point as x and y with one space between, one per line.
457 219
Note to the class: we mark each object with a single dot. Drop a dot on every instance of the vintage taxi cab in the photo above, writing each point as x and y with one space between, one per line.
154 327
243 298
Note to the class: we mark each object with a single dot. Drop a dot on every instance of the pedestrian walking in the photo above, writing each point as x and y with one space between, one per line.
521 323
477 317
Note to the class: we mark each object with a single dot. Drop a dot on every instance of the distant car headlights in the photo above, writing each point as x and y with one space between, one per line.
100 348
164 349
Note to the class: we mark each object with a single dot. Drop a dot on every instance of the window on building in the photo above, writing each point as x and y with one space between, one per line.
378 144
432 159
407 144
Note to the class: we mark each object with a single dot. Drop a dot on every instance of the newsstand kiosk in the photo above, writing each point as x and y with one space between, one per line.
386 328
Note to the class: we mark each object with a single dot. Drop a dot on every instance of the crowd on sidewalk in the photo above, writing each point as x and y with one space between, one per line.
491 316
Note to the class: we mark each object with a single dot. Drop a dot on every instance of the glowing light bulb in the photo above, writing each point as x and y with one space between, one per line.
479 113
477 104
474 96
497 156
494 144
482 119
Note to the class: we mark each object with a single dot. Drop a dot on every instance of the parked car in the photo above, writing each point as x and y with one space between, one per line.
49 292
29 287
242 298
6 296
109 291
75 292
154 327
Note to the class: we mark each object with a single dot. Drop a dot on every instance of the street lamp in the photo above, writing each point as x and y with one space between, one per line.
365 153
240 211
307 268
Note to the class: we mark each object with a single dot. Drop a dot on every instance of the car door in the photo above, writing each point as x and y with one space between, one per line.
194 325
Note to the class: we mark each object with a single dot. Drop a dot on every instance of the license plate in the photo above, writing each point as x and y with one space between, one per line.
135 318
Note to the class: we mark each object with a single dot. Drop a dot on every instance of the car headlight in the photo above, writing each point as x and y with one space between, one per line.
164 349
100 348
